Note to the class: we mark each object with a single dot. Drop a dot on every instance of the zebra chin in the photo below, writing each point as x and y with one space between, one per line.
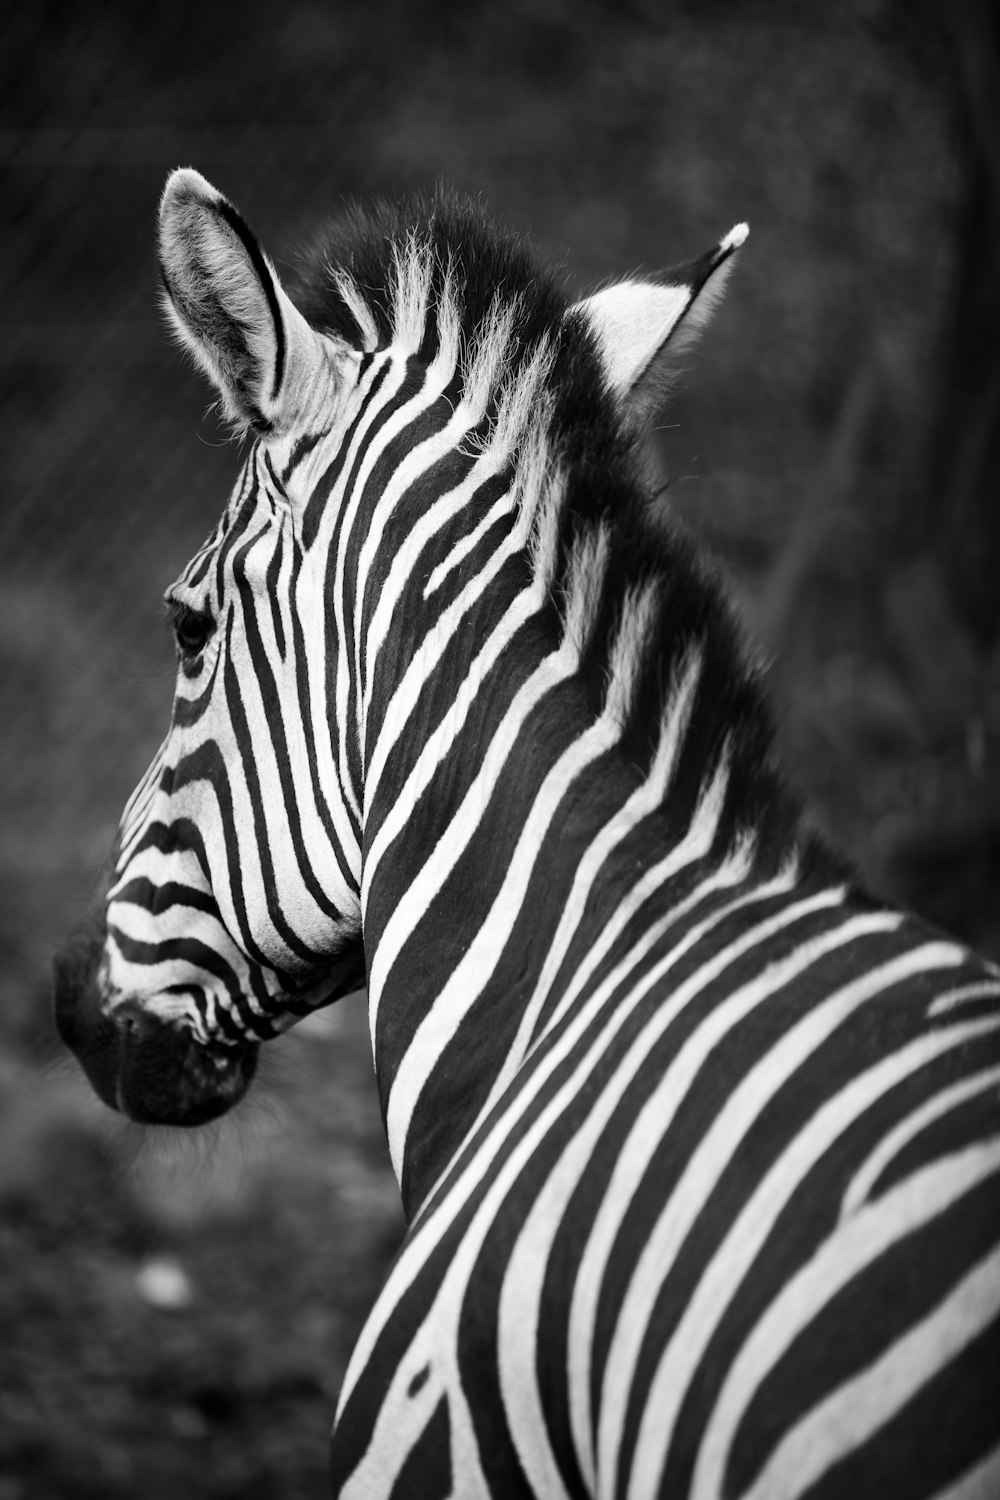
150 1069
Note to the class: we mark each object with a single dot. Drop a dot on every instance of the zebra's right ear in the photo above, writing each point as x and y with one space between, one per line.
228 308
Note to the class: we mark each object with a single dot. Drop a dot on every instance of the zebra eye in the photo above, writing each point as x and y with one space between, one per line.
192 630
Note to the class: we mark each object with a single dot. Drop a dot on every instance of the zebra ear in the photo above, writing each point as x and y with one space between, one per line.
643 327
227 306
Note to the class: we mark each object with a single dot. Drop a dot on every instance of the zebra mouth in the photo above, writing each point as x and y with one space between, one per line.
165 1076
152 1070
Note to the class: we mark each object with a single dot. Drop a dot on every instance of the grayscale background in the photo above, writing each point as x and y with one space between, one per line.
175 1315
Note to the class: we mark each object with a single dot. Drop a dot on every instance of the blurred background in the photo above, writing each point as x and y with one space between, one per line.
175 1315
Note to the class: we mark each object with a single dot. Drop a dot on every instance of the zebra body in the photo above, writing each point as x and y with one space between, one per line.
698 1143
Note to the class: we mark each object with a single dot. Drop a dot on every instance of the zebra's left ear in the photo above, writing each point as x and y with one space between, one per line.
227 305
643 327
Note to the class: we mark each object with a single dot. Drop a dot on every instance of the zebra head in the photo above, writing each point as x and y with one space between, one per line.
396 414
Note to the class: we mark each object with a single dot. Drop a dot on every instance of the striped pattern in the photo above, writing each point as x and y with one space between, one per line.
699 1145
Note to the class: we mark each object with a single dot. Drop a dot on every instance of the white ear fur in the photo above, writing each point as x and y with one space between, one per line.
228 307
642 327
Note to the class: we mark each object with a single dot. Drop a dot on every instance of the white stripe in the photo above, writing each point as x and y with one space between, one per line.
408 690
299 908
857 1409
341 507
648 795
730 1263
318 713
978 990
420 456
404 558
523 1281
439 864
700 1175
690 849
387 613
859 1188
468 543
437 1337
981 1482
440 742
466 982
441 1215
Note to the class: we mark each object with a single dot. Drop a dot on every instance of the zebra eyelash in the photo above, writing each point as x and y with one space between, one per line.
192 628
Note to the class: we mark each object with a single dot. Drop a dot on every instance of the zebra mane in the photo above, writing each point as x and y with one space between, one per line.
367 262
651 625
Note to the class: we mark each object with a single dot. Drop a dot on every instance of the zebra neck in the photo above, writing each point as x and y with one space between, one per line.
548 734
513 881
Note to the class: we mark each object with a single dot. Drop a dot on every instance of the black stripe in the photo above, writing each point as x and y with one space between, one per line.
157 899
302 449
317 500
256 258
242 517
206 764
271 698
266 457
188 711
241 729
199 956
320 798
271 580
427 1472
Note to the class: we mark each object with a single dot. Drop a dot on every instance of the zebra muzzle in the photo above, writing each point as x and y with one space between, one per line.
151 1069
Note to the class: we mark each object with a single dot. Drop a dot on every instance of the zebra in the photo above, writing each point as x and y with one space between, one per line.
697 1140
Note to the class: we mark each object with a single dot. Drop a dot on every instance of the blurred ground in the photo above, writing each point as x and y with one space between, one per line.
176 1315
620 135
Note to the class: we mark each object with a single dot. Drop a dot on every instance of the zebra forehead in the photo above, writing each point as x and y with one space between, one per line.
348 279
